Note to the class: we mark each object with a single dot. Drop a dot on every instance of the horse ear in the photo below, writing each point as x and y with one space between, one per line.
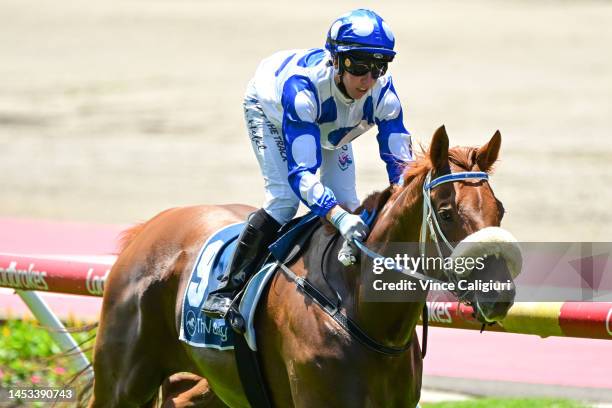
487 154
438 150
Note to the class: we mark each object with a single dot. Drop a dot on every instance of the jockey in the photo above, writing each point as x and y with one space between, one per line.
302 110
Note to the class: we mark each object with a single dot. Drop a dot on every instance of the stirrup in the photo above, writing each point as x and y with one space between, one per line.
234 300
218 312
233 315
235 320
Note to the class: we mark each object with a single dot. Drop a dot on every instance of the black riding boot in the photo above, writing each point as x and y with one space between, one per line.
259 233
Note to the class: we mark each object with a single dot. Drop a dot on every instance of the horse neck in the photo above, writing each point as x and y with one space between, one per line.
400 220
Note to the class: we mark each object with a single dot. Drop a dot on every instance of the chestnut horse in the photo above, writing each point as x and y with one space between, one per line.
307 359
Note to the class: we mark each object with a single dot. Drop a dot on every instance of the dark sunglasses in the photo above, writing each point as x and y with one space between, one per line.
360 67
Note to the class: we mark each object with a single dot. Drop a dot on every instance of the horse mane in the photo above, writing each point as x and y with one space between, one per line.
416 171
463 156
375 201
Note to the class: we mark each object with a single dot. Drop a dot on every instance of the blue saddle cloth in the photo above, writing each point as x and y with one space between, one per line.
199 330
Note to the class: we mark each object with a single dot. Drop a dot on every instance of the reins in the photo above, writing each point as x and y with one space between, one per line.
348 324
429 224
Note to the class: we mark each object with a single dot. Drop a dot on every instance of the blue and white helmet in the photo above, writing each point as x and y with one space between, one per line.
361 30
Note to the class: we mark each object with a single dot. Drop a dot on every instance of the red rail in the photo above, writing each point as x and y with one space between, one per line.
54 274
86 277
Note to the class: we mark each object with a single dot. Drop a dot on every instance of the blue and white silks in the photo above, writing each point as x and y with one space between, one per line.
297 93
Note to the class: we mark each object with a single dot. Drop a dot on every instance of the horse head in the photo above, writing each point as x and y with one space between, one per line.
447 204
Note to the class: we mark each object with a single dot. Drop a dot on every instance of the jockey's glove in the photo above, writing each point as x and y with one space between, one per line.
351 226
348 254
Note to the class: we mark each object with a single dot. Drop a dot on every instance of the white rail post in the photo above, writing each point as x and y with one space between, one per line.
64 340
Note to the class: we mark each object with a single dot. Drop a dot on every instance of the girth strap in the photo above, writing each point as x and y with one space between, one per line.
348 324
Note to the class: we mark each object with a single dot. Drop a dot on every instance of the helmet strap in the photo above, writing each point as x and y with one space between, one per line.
342 88
340 69
338 65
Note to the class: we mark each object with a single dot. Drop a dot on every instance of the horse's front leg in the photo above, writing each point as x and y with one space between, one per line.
352 376
322 383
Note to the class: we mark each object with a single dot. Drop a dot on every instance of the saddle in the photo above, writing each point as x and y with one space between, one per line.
199 330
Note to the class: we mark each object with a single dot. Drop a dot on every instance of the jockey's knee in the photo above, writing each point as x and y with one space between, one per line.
282 212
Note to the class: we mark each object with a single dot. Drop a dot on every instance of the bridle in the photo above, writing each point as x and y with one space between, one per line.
429 223
429 218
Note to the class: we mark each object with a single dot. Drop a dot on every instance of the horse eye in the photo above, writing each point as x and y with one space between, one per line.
445 215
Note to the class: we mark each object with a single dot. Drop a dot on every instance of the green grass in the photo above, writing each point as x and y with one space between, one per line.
29 356
508 403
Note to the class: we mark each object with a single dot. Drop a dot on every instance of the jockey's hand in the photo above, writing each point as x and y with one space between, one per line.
348 254
351 226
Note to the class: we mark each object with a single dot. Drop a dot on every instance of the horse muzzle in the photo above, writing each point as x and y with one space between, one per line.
487 243
498 261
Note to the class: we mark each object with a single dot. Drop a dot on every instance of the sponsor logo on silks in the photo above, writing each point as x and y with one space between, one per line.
30 278
609 322
439 312
344 161
95 284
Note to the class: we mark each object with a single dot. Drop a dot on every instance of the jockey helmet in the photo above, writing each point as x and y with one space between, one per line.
361 31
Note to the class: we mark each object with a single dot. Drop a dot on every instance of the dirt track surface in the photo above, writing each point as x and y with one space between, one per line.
113 111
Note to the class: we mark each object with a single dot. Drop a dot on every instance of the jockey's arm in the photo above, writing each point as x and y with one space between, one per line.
394 141
303 146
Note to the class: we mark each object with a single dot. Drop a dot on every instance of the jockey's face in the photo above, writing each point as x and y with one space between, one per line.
357 86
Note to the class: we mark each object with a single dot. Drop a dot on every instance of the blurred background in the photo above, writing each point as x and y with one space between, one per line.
113 111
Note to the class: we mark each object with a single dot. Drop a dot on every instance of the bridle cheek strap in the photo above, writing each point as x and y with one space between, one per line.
430 221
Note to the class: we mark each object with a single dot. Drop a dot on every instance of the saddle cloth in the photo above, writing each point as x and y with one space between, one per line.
197 329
